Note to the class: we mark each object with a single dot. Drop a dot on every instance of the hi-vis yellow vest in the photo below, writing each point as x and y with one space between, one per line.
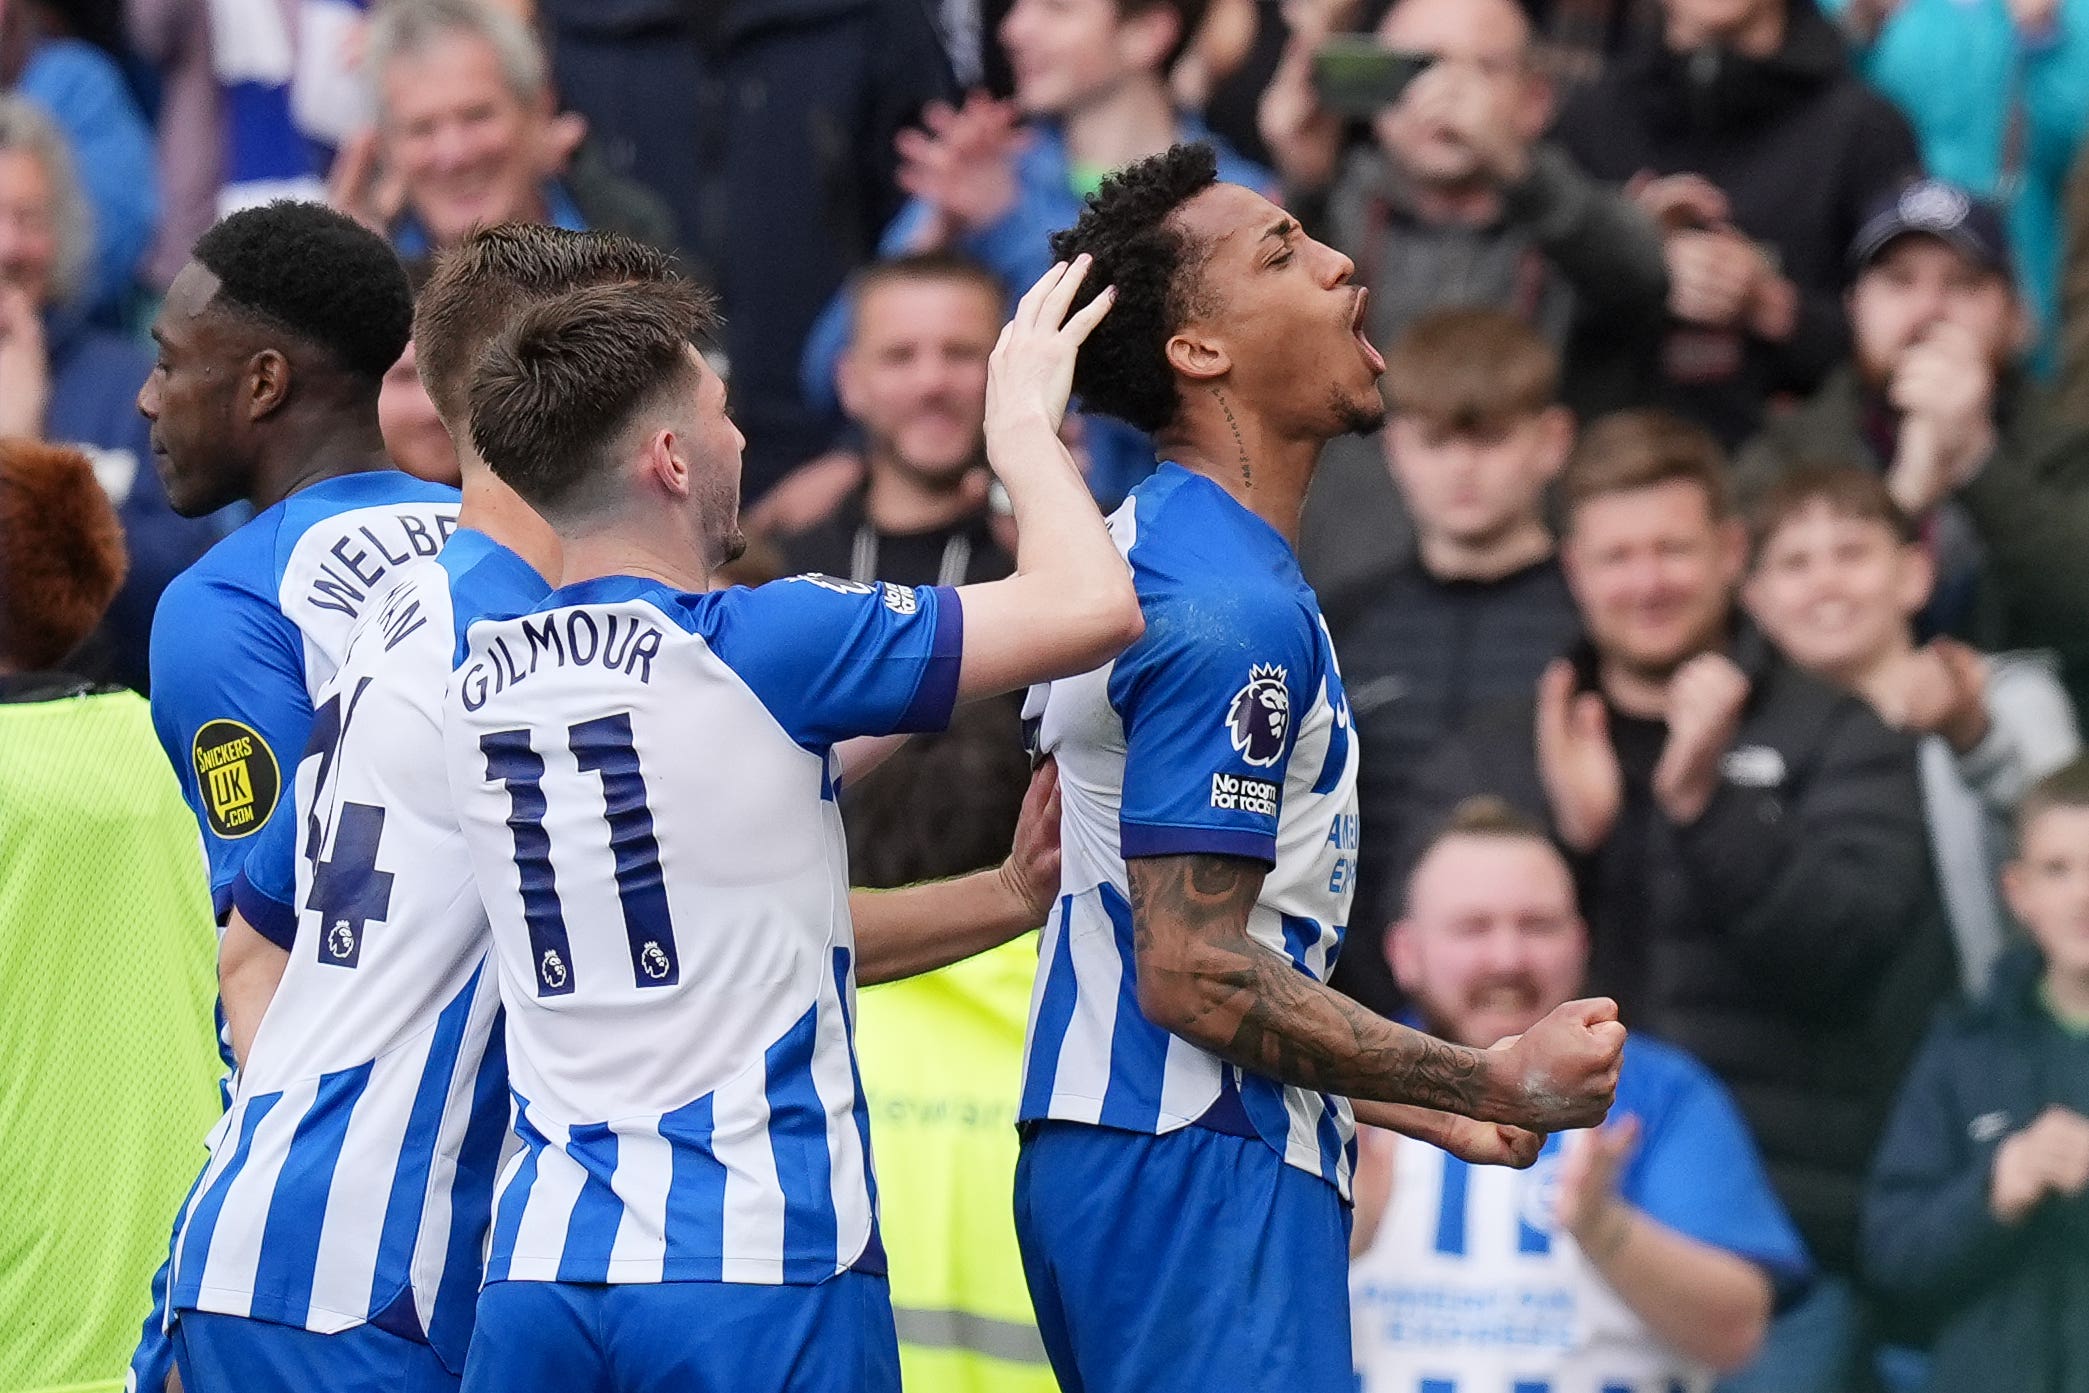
108 968
942 1059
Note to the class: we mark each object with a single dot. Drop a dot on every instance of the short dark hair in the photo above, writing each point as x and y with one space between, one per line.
925 266
554 391
1189 18
1471 368
1128 228
1631 450
479 285
317 274
1849 490
61 552
2065 787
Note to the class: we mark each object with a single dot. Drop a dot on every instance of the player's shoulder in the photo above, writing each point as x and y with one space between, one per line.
319 511
235 579
1182 532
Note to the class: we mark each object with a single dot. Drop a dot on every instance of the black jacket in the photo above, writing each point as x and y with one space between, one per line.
2010 1304
1790 938
1419 655
1802 148
768 127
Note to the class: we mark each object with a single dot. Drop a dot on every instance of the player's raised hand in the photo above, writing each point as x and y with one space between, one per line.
1031 372
1563 1071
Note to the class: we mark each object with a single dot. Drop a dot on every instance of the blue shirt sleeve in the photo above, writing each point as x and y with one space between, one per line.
265 889
230 706
834 659
1697 1169
1209 698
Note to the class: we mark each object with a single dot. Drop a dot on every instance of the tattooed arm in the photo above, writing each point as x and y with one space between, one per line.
1202 977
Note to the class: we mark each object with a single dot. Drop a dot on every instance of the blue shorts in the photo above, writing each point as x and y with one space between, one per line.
232 1354
1182 1263
685 1337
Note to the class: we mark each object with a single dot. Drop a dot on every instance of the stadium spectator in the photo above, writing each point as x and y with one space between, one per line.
174 37
1748 843
1457 200
106 952
1785 149
944 1134
83 90
768 127
1472 617
1837 580
468 136
1997 479
1977 1218
64 380
414 435
1642 1255
995 179
913 382
1998 95
2072 385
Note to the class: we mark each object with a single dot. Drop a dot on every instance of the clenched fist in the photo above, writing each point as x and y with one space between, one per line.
1562 1073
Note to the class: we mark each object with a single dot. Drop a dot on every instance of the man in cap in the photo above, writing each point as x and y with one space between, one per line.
1936 399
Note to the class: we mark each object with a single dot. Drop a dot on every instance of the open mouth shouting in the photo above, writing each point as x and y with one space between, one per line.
1356 328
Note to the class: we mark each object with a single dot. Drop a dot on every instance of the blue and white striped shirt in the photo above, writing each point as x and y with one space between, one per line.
645 782
1223 730
351 1180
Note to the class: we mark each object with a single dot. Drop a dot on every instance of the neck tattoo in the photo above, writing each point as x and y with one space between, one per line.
1247 474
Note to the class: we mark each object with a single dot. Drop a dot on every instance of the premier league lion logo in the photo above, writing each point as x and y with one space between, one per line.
1260 716
340 940
654 960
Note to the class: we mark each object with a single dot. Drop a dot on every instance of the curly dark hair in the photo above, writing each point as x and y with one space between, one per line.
1123 370
307 270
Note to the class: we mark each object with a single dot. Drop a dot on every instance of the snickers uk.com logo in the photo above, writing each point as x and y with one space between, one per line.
236 776
1259 716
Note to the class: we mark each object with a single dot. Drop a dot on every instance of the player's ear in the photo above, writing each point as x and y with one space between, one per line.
267 384
1196 357
665 462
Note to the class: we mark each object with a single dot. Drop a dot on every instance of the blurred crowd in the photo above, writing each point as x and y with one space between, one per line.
1713 608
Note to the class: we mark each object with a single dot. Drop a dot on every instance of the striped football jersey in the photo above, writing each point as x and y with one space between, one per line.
646 786
1223 730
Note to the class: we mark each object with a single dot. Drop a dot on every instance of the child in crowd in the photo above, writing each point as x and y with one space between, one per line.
1838 579
1977 1217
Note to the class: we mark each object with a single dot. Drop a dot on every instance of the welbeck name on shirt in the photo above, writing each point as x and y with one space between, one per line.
1233 794
343 589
